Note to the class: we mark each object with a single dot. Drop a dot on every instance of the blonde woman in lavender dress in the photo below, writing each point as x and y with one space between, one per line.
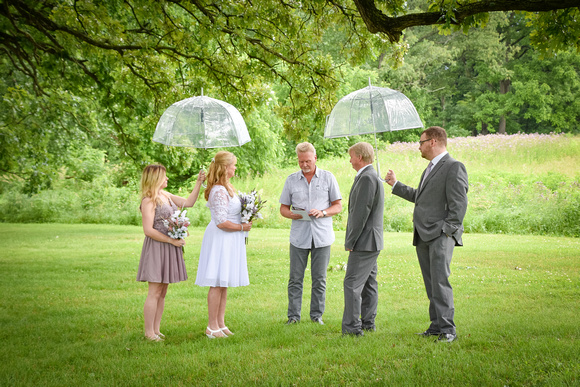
162 257
222 260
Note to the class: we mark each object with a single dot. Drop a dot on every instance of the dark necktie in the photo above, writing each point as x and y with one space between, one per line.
426 173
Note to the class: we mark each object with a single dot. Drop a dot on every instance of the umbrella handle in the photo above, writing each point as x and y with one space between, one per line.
377 157
204 185
379 172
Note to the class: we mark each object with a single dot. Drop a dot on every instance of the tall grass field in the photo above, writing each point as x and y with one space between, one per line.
71 315
518 184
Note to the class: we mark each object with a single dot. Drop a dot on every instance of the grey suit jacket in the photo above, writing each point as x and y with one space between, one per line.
364 228
441 203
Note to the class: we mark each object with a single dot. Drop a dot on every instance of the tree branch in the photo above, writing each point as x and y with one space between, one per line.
393 27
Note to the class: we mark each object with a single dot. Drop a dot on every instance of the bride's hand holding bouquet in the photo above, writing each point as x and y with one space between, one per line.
252 203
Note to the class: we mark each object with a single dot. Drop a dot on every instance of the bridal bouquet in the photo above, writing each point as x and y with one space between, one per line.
252 203
177 225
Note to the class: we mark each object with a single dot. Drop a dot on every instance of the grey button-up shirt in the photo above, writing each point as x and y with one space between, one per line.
319 194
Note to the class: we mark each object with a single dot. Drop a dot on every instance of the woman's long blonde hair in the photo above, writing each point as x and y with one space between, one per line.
217 172
151 181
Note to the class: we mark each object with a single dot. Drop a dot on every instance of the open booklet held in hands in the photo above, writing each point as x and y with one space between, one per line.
304 214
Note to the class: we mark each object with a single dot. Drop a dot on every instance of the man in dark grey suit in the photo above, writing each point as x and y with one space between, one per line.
364 240
440 205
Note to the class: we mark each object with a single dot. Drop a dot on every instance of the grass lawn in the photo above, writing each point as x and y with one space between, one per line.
72 315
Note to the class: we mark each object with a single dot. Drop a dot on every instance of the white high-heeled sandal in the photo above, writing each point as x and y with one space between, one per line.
227 335
210 335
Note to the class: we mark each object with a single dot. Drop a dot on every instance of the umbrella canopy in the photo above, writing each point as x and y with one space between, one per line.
201 122
371 110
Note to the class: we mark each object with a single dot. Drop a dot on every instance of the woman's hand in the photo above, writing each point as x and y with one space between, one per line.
201 176
192 198
247 226
177 242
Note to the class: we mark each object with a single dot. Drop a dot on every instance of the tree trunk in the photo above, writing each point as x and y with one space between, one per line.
504 88
484 130
501 129
381 57
443 109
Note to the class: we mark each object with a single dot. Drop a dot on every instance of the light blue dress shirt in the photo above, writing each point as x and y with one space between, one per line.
319 194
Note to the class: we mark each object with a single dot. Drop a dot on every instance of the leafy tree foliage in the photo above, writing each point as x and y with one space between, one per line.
84 74
114 66
491 80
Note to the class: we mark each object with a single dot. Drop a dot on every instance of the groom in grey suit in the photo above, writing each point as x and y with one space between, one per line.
364 240
440 205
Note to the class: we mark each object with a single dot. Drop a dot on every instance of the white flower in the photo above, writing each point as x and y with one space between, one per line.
251 205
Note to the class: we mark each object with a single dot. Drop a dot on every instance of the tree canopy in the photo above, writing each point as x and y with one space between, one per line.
106 70
84 79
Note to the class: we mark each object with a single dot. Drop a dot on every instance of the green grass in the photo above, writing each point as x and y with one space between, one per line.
72 315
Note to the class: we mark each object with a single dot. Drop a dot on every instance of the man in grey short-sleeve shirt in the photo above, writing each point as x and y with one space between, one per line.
316 192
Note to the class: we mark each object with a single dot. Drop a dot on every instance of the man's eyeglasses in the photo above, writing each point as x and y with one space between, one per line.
422 141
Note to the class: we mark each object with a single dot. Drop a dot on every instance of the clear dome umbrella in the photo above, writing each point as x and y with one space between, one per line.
372 110
201 122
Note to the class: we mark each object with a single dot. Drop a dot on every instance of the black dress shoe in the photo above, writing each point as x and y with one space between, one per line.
447 337
428 333
369 329
292 320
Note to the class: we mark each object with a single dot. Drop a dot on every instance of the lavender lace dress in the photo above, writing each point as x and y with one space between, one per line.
161 262
222 259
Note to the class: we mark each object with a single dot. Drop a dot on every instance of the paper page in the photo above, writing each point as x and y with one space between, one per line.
304 214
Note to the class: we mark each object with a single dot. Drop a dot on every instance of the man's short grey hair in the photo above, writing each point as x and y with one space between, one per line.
365 150
304 147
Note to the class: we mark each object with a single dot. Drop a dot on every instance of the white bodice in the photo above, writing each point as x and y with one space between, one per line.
224 207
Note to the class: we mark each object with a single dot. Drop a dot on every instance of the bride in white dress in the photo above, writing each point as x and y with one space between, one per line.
222 259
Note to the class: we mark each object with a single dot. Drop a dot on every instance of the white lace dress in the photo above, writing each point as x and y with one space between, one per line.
222 260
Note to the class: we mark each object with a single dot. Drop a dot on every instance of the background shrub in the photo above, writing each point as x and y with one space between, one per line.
518 184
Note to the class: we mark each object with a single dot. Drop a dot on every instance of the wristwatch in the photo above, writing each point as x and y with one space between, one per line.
324 212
